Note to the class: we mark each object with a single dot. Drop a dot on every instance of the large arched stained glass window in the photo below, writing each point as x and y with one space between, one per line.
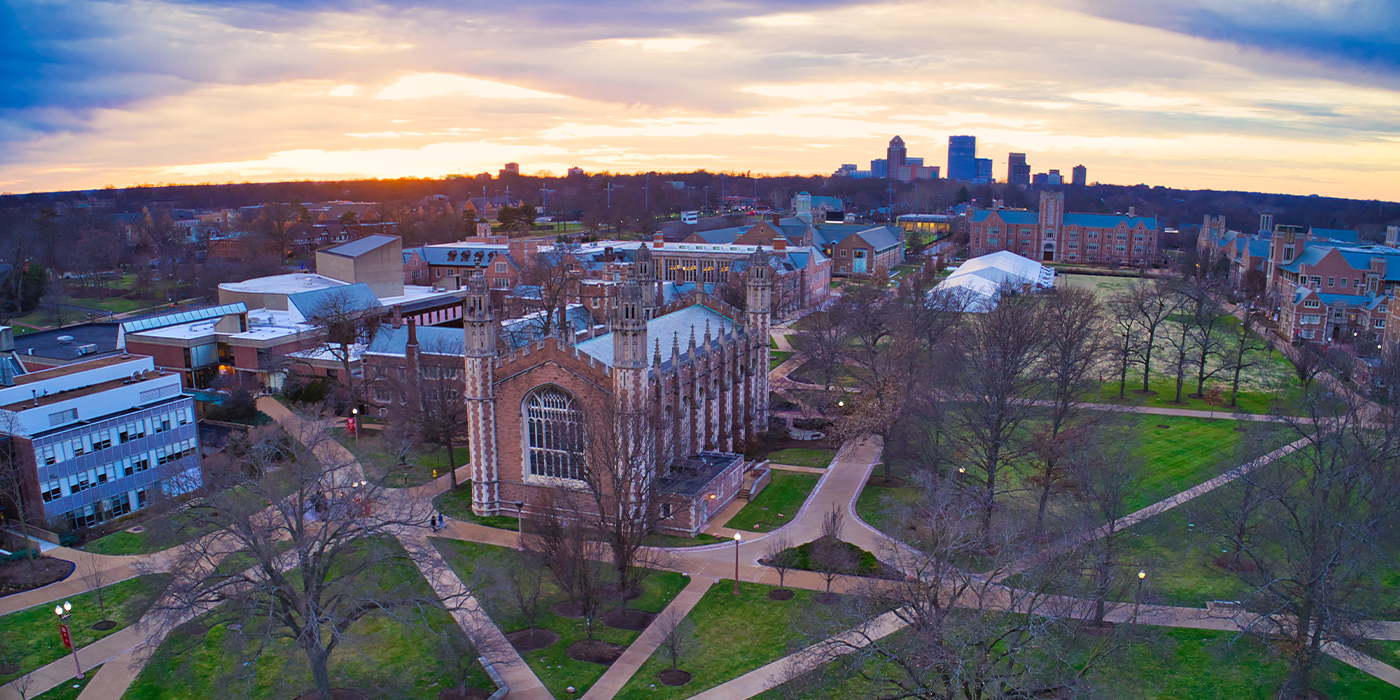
555 428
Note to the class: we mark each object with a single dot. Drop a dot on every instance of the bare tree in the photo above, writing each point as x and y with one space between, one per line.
95 579
23 684
276 226
345 321
518 585
782 556
1324 513
1072 318
16 496
1208 338
564 545
829 555
1103 470
1307 364
1177 333
1244 353
998 386
679 640
1124 329
554 274
433 398
343 563
1150 305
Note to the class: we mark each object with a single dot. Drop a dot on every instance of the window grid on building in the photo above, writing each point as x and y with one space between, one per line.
555 434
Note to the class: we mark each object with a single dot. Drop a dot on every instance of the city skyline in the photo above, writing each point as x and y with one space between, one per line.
1280 96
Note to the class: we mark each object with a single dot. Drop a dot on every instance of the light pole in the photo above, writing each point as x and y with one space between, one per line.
520 522
1137 600
64 612
737 537
355 424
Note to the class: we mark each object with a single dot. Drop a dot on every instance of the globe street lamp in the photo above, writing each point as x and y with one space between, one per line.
64 612
355 424
737 537
520 522
1137 601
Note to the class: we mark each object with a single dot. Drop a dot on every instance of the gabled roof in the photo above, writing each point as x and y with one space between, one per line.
881 237
1011 216
1336 234
519 332
722 235
674 328
1110 221
358 297
358 247
1312 255
432 340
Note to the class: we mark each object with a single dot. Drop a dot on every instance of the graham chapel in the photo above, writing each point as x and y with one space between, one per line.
683 384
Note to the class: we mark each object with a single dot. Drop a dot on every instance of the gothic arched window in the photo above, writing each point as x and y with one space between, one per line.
555 432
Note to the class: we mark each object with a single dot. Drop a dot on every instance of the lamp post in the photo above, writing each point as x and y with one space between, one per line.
737 537
355 424
1137 600
64 612
520 522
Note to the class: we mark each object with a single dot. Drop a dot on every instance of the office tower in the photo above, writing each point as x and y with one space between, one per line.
962 157
894 156
1018 172
984 169
1054 178
1081 176
879 167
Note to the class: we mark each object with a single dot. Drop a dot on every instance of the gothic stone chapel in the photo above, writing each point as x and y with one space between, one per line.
675 389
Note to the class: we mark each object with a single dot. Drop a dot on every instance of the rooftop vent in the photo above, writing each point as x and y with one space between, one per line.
65 339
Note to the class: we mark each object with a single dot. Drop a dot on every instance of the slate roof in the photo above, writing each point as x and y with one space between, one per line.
1336 234
432 340
466 256
1010 216
881 238
672 328
519 332
360 298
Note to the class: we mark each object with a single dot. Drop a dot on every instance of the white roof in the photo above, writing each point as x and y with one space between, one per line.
283 284
980 278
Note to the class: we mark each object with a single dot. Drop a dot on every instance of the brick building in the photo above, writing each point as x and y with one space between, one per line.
686 382
1051 235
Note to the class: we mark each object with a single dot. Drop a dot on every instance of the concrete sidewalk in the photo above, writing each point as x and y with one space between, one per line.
645 645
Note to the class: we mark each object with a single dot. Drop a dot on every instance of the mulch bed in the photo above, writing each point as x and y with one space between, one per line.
635 620
532 640
15 576
780 594
601 653
569 609
611 593
827 598
9 670
193 630
885 482
336 693
673 678
1163 425
103 625
1093 630
470 694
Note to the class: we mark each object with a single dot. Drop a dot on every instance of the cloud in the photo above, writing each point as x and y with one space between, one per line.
434 84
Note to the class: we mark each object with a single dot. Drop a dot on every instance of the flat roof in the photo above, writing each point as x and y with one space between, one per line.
184 331
70 394
46 343
74 368
292 283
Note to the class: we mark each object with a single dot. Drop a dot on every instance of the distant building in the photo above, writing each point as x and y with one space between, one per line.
100 439
984 170
510 169
1080 176
575 171
895 155
1054 236
879 167
1018 172
962 157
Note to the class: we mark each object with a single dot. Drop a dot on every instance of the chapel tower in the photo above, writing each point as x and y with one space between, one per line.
759 304
479 322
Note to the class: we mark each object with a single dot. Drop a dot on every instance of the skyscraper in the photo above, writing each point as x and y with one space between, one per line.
962 157
983 170
894 156
1018 172
1081 176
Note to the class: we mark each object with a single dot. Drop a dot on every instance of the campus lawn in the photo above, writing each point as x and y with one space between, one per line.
160 532
876 504
736 634
1187 452
1176 551
69 689
114 304
778 357
458 504
803 457
783 497
425 464
657 539
31 635
473 561
1102 286
1167 664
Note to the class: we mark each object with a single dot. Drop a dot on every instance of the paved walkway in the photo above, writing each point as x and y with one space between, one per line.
631 660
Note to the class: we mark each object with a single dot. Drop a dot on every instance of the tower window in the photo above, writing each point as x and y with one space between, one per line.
555 433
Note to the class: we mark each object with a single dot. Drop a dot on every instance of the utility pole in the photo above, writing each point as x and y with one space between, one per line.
646 192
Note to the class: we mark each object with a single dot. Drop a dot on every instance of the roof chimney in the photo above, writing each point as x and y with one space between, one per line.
398 316
776 218
779 244
412 332
657 240
1132 211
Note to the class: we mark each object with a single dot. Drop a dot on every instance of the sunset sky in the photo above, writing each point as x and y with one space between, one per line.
1293 96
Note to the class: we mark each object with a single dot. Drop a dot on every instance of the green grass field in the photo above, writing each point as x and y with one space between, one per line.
552 664
158 533
458 504
777 357
31 635
736 634
425 464
783 497
1186 452
803 457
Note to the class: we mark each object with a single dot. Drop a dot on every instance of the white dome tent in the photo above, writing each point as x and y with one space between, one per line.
981 279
